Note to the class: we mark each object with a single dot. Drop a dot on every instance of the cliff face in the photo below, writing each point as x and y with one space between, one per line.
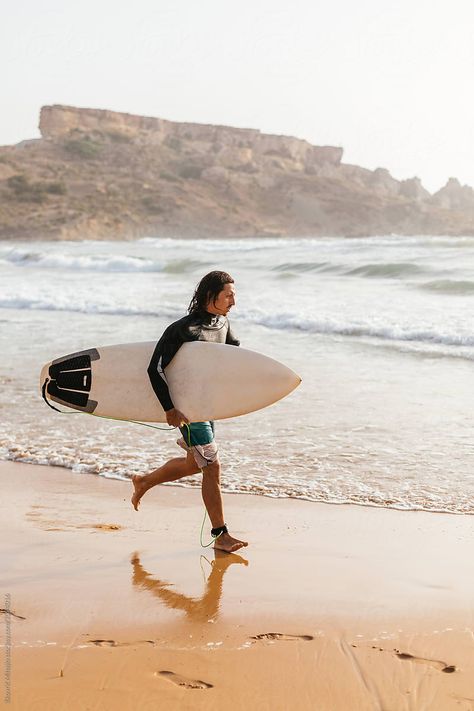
102 174
231 147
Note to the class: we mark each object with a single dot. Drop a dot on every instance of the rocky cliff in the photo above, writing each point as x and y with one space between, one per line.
102 174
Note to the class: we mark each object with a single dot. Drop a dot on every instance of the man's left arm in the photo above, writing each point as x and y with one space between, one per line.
230 339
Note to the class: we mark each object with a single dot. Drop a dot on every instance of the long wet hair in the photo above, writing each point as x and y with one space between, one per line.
208 289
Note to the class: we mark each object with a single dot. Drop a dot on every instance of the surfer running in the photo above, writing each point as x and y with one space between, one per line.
206 321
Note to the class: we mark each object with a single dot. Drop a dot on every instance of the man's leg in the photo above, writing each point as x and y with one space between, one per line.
212 497
171 471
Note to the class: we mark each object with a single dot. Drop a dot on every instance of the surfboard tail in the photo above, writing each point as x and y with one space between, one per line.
68 380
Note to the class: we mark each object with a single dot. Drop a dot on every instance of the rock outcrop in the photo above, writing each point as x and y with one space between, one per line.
413 190
103 174
454 196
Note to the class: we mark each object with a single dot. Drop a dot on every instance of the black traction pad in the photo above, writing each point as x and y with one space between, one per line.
71 380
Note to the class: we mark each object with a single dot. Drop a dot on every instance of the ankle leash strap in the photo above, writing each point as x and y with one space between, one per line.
216 532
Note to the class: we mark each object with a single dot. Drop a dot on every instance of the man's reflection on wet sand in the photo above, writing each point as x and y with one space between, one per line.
198 609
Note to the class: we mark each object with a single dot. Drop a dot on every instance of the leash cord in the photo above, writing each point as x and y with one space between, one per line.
102 417
203 545
134 422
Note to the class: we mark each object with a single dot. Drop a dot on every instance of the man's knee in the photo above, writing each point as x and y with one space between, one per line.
213 469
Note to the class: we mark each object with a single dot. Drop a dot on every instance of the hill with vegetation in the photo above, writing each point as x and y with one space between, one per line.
97 174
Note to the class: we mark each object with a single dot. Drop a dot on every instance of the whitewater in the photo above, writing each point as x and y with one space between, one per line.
381 330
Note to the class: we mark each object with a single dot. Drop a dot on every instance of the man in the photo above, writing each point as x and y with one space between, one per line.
206 321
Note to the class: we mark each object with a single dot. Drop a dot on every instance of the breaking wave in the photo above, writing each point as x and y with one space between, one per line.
98 262
449 286
86 307
288 321
277 321
382 271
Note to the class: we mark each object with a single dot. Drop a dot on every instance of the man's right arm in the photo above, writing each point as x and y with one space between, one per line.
169 344
164 352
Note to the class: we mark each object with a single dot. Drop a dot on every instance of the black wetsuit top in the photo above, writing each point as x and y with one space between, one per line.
197 326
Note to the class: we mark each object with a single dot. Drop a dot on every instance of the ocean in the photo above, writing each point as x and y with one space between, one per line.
380 329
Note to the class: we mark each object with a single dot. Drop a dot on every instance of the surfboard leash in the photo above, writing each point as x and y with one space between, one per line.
102 417
214 538
134 422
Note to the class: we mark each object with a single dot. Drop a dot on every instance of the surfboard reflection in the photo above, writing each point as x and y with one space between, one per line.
197 609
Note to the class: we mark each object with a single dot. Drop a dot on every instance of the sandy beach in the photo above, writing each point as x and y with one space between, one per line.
330 607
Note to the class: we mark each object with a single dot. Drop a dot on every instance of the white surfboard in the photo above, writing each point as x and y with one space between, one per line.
207 381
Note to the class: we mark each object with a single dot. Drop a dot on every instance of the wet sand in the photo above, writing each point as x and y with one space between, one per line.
329 608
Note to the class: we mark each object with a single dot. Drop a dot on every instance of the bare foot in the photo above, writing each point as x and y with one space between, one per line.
226 543
139 489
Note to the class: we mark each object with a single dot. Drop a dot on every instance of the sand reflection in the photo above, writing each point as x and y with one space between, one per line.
197 609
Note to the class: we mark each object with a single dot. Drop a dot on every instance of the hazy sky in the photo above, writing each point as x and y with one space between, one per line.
390 81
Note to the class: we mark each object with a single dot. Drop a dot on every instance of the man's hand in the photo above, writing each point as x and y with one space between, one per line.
175 418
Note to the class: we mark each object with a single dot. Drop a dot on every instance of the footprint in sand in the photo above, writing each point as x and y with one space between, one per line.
114 643
437 664
184 681
99 526
271 636
59 525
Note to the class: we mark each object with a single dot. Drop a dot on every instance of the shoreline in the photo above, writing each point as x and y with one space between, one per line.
249 493
125 610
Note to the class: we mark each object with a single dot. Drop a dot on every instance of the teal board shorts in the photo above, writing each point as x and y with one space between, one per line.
198 438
